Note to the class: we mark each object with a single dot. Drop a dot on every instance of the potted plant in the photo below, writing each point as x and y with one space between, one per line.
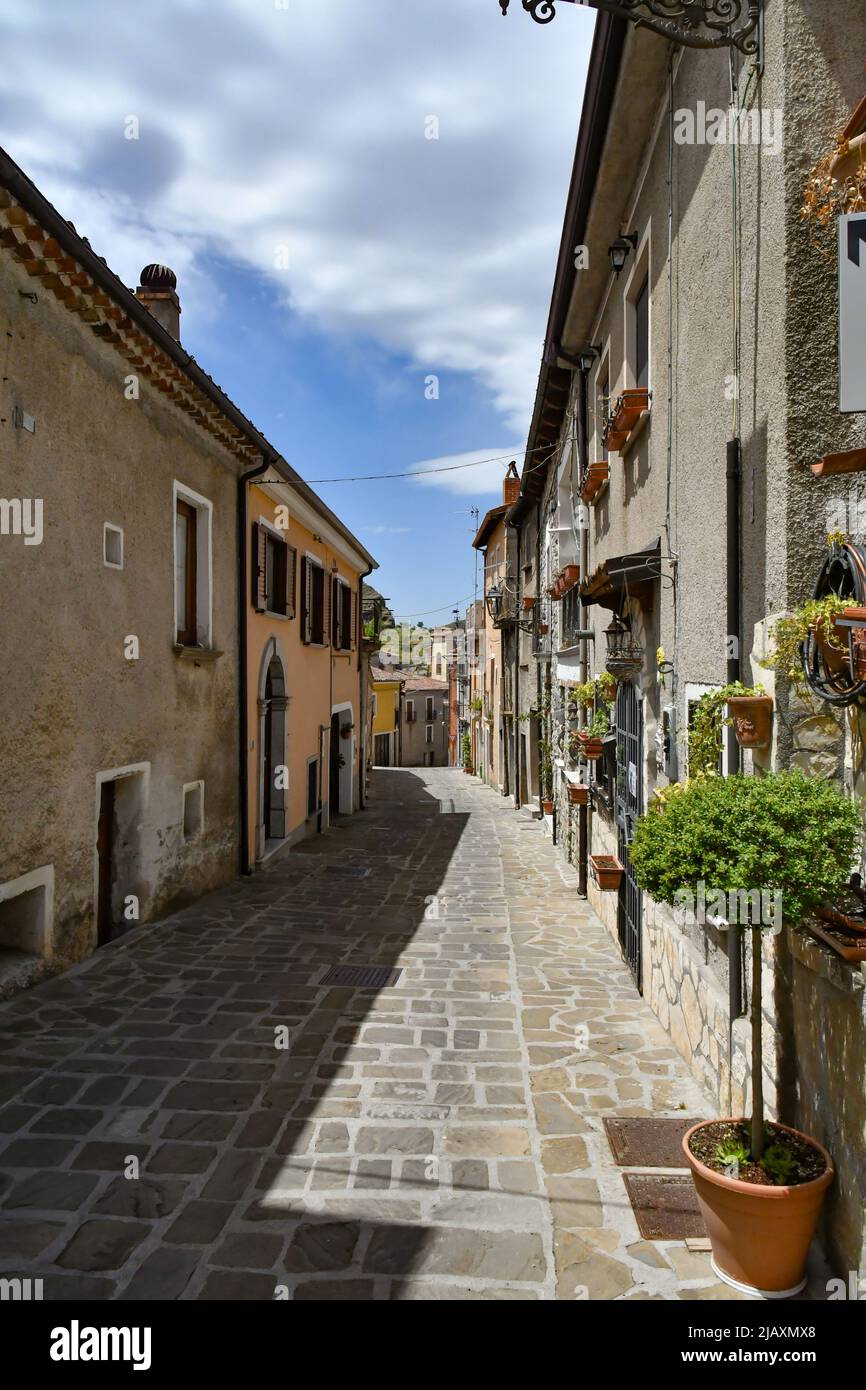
578 794
528 602
837 184
476 705
750 711
346 730
466 749
607 872
760 1184
543 629
571 575
590 739
816 618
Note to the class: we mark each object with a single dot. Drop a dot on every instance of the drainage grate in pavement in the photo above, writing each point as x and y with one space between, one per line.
665 1205
647 1142
362 976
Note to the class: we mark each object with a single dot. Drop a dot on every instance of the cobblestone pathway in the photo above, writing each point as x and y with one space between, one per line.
440 1139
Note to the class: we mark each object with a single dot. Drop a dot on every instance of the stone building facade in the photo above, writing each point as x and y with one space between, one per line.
724 311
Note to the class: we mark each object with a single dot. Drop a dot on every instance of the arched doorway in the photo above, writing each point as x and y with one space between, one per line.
273 772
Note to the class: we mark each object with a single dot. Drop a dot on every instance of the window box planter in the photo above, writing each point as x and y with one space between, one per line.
571 575
578 794
607 872
596 476
615 439
850 947
591 748
629 407
752 717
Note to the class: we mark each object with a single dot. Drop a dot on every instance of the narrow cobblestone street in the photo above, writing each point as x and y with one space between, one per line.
438 1139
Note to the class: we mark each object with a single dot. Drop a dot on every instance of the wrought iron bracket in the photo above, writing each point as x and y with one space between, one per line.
692 23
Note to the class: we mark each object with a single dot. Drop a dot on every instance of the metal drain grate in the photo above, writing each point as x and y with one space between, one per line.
645 1142
666 1207
362 976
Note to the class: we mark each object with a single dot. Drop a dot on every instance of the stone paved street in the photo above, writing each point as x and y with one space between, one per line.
439 1139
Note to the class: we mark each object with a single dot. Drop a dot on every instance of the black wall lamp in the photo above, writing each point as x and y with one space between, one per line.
587 355
619 250
692 23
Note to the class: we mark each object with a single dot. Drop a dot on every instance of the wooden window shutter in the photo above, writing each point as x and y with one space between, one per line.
326 608
291 567
259 558
353 620
306 600
336 615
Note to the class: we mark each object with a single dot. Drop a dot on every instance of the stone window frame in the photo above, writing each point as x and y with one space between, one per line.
108 528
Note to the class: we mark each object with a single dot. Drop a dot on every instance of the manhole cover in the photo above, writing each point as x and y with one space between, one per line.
648 1143
362 976
666 1207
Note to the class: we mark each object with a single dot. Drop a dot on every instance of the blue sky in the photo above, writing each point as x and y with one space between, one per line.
330 257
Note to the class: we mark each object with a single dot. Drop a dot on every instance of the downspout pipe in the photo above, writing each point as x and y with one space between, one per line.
734 673
243 660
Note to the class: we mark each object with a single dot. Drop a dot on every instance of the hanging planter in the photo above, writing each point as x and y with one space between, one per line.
624 654
752 718
578 794
597 475
543 629
614 439
528 602
607 872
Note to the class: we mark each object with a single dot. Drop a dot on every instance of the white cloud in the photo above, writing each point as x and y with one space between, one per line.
303 128
478 473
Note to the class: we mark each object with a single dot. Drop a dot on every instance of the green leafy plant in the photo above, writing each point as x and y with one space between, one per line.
781 832
476 705
705 732
466 749
790 632
778 1163
733 1153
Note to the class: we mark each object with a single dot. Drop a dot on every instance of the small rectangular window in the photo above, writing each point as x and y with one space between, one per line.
429 706
112 546
193 810
313 602
641 335
186 563
429 734
410 711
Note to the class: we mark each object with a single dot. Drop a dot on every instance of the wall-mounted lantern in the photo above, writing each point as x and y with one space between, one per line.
619 250
692 23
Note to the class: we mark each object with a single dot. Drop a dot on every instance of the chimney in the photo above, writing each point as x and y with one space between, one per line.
510 485
158 293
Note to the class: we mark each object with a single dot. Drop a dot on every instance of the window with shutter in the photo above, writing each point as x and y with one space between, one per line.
258 556
353 620
313 602
291 579
186 567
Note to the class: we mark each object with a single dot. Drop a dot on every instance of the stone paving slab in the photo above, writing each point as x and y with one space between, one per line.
192 1115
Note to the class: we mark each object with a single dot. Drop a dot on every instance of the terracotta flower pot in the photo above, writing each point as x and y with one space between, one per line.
578 794
528 602
596 476
571 574
753 717
760 1235
853 621
547 807
834 651
631 405
543 629
469 771
850 160
590 748
615 439
607 871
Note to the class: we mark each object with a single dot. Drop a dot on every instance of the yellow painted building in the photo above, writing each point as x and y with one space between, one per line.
304 695
385 688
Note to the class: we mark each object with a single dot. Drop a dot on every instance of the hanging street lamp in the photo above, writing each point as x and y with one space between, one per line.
692 23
